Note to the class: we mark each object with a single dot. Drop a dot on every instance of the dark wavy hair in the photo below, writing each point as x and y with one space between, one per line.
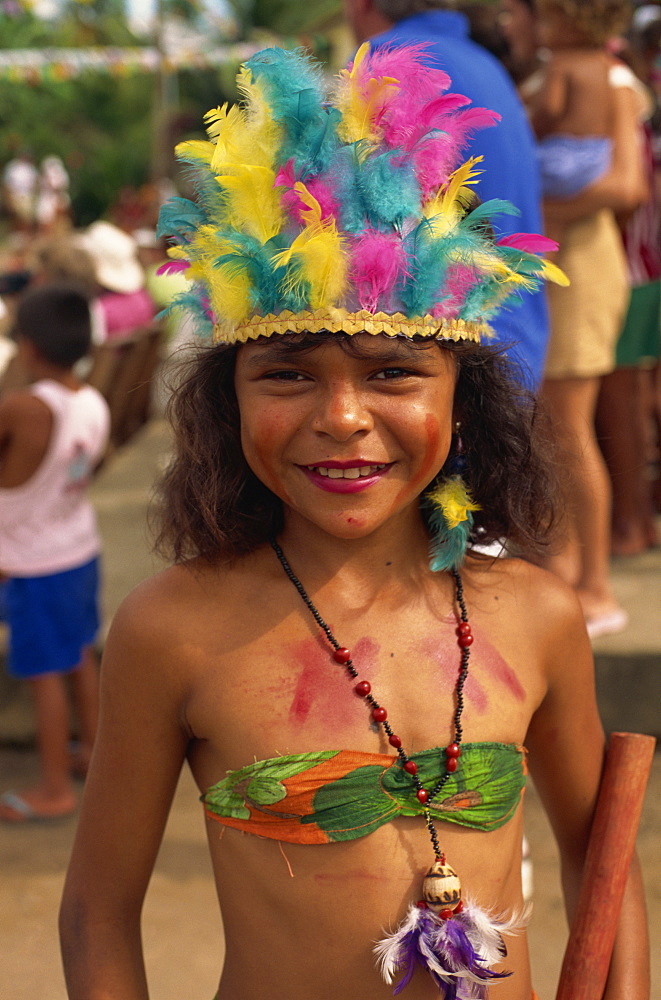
212 505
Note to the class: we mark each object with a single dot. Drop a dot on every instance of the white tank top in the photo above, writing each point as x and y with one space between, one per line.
48 524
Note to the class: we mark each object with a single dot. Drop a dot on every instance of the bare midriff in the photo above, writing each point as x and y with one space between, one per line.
281 946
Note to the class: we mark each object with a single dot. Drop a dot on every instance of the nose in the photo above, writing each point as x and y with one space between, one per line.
342 411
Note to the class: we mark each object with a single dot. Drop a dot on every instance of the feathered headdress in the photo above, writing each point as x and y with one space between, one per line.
351 213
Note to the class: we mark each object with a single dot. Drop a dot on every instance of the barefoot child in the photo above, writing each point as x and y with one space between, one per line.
349 686
52 435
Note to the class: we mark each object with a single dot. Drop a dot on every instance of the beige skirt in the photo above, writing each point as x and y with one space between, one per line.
587 317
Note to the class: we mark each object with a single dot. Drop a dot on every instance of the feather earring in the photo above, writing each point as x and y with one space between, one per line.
450 517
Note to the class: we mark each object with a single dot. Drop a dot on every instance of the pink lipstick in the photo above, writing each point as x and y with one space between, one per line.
345 477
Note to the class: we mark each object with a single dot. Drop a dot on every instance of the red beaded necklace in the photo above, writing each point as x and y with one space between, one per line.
452 938
379 713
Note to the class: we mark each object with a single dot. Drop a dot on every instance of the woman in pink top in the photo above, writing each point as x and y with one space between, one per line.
124 304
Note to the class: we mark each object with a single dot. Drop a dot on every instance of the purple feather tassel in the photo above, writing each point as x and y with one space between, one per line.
457 952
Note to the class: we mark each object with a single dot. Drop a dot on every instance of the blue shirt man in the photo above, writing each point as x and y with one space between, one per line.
510 169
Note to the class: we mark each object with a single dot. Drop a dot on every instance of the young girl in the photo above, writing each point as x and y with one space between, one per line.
353 712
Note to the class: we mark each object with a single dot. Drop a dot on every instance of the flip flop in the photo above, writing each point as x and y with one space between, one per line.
608 623
24 811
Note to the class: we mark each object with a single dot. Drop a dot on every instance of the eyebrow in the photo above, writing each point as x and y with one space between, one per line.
282 353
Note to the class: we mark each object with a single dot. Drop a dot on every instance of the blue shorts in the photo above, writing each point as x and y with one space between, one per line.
51 620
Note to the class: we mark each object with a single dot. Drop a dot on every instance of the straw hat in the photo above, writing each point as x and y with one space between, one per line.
114 253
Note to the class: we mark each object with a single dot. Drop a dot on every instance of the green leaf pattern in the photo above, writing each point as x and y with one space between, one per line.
259 783
482 794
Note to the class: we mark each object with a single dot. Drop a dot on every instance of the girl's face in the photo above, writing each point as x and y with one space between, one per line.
348 439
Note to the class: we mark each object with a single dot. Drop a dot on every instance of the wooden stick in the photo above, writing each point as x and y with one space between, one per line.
610 849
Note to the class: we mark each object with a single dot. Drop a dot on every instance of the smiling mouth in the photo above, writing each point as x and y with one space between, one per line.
357 472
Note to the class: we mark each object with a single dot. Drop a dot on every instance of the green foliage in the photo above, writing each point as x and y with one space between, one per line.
100 125
286 17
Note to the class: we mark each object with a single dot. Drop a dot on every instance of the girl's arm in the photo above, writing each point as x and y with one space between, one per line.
137 759
566 745
623 188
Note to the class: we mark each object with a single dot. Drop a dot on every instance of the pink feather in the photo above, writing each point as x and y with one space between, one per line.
436 154
378 261
528 242
286 176
418 122
404 62
317 187
173 267
321 190
459 279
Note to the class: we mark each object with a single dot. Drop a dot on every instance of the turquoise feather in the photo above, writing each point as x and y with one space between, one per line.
389 190
256 259
180 216
448 545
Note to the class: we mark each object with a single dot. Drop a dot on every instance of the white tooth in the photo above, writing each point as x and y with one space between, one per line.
321 469
366 469
352 473
335 473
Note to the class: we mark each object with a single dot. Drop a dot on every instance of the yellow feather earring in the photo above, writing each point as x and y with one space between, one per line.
450 507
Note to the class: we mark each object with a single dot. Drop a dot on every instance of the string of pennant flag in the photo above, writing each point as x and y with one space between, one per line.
39 65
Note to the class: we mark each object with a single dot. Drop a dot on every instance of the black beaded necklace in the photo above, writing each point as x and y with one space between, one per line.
342 655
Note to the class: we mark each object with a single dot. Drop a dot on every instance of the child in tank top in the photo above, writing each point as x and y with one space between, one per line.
52 436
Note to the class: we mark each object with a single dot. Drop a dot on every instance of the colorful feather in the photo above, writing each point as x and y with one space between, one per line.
378 265
532 243
388 189
316 259
450 523
318 187
300 203
252 205
361 99
457 952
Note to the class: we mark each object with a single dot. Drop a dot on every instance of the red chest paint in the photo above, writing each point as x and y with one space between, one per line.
497 667
447 656
323 687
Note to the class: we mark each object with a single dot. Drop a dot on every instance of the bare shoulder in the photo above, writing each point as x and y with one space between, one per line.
189 600
531 596
22 405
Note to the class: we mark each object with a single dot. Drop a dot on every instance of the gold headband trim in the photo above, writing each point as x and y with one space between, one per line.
342 321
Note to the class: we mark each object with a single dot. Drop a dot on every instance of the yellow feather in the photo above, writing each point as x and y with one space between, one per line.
199 149
229 290
312 214
317 256
215 118
449 204
454 500
359 108
553 273
244 134
252 204
229 126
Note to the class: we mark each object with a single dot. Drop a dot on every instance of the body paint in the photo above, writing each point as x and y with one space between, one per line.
322 684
